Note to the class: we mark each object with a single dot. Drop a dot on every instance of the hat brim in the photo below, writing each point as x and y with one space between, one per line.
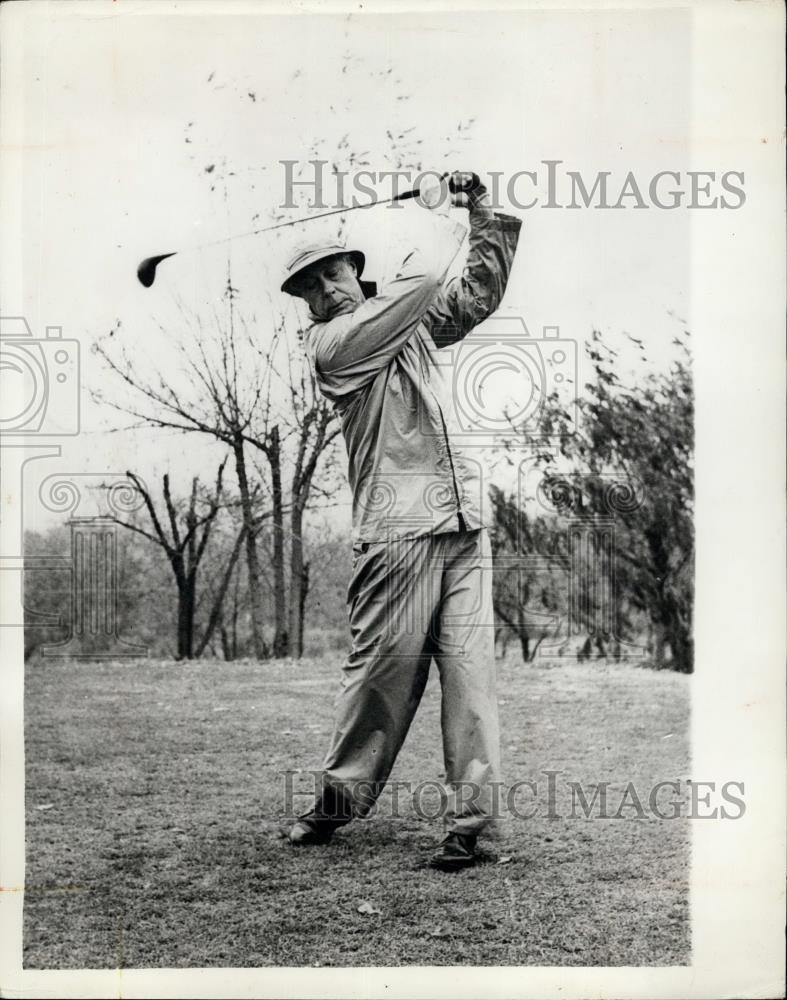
290 286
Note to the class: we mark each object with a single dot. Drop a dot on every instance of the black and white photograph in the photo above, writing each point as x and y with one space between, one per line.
393 522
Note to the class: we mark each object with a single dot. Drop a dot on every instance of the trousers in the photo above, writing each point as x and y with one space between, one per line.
412 601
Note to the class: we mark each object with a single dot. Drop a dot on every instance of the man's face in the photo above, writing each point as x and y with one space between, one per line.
331 288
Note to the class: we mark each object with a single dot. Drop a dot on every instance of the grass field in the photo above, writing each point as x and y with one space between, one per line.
155 805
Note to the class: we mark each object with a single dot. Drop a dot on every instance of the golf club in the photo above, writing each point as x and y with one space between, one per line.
146 272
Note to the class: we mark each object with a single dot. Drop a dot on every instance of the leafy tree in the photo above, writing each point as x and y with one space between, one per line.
641 437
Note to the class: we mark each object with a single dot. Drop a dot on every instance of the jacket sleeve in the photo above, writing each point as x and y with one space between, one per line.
470 298
349 350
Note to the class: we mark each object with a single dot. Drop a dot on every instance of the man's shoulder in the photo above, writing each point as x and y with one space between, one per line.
321 338
320 329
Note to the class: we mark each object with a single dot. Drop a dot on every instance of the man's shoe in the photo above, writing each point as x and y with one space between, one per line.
309 832
455 852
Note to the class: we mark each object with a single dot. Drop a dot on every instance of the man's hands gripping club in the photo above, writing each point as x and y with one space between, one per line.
459 189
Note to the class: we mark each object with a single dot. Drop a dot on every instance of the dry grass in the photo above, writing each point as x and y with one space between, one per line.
155 804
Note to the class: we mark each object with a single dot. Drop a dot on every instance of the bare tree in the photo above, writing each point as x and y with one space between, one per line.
310 429
217 609
184 540
246 393
223 383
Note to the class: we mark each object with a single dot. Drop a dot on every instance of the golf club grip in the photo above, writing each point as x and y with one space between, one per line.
469 182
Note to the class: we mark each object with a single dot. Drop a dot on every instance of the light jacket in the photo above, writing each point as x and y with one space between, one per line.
379 367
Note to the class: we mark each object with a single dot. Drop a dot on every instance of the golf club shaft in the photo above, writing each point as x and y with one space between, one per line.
146 272
466 183
310 218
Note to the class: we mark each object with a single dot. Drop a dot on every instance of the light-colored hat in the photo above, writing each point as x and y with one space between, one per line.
306 254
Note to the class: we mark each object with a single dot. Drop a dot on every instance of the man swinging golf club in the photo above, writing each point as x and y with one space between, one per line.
421 585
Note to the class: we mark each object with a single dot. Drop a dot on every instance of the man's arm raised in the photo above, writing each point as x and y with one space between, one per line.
470 298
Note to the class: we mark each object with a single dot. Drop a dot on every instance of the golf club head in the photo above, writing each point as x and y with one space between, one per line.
146 272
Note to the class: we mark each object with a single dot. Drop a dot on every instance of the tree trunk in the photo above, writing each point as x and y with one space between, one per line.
186 604
302 608
281 641
682 652
235 613
252 563
218 604
226 649
658 647
539 637
678 634
298 574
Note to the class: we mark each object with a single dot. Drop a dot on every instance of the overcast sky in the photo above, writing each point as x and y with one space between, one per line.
112 93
